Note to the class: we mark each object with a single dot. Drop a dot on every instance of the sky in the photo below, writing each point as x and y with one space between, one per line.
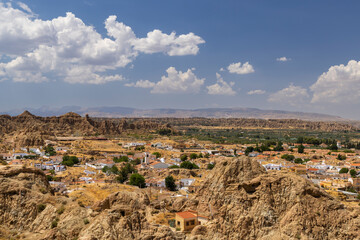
283 55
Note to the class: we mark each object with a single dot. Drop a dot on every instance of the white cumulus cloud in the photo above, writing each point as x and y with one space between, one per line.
141 84
68 49
178 82
292 95
239 68
257 92
156 41
283 59
221 87
340 84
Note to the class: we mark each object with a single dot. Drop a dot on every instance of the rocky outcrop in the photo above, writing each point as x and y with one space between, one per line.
246 202
21 192
28 208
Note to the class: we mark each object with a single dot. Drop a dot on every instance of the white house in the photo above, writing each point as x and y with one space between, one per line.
186 182
272 166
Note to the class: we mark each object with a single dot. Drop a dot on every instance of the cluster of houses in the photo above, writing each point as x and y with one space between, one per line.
322 170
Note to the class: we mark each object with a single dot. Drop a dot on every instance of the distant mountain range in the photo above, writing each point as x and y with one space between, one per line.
117 112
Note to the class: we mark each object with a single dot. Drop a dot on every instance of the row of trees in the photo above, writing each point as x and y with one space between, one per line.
352 172
136 179
186 165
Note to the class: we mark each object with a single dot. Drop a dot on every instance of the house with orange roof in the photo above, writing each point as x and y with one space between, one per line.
186 221
355 165
16 162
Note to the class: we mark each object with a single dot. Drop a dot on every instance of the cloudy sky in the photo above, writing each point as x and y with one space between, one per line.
287 55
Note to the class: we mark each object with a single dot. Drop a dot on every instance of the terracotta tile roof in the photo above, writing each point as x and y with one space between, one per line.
313 169
186 215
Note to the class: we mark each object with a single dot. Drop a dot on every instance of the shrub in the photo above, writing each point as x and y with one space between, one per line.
54 223
210 166
136 161
121 159
157 154
174 166
41 207
86 221
61 210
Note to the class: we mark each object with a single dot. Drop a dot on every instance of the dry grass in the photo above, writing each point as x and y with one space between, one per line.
163 218
88 194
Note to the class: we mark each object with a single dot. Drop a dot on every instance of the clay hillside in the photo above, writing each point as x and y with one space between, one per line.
241 200
29 130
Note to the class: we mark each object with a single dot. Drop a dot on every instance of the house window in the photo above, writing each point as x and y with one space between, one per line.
192 222
187 223
178 223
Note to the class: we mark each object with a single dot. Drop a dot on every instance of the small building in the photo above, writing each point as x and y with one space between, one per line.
159 165
186 221
6 156
16 162
272 166
186 182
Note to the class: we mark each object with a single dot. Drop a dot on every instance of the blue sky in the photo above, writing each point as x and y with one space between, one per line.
289 55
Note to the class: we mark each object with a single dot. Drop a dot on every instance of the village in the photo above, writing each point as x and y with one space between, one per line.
90 169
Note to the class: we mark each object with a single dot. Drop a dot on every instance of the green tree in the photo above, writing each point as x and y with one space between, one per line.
165 131
183 157
249 150
344 170
124 172
301 149
137 161
193 156
157 154
49 150
70 160
288 157
341 157
188 165
137 180
333 147
279 147
353 172
298 161
170 183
